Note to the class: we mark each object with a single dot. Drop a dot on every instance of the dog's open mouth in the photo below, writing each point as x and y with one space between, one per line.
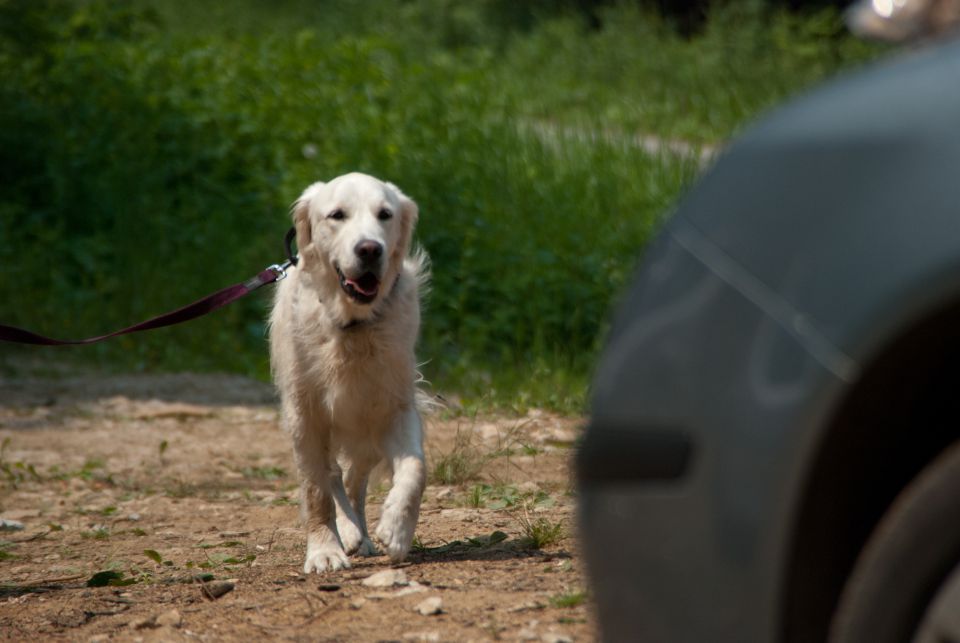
363 289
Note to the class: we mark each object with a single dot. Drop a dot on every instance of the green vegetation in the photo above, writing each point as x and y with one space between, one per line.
5 546
539 532
503 496
150 150
569 599
463 462
264 473
15 473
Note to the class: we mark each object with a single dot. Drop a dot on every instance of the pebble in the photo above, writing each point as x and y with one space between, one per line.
413 588
430 606
10 525
21 514
143 623
386 578
170 618
462 515
555 637
215 589
529 605
427 637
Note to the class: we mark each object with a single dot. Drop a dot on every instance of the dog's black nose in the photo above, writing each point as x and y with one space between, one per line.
368 251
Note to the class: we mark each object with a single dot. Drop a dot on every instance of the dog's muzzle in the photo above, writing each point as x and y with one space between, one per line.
362 289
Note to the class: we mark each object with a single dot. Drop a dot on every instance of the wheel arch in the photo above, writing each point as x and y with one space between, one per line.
885 429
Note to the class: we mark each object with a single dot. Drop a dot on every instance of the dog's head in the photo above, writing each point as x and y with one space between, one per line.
356 230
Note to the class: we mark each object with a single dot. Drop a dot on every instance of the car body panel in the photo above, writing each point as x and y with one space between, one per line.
816 238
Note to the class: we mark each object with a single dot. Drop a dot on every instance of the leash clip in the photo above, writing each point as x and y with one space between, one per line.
280 270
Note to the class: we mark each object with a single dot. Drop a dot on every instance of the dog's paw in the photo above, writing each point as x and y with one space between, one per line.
325 559
395 532
354 542
350 536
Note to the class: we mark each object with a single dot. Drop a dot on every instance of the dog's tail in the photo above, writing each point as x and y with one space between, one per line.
427 403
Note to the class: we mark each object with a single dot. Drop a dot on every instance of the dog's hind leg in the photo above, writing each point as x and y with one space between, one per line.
312 454
398 520
351 507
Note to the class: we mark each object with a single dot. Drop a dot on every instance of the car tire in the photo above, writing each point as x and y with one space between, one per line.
905 586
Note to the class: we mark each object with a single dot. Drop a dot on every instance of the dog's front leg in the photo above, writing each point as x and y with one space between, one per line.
401 509
324 551
312 453
351 508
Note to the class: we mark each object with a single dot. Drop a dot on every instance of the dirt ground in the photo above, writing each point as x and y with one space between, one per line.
183 486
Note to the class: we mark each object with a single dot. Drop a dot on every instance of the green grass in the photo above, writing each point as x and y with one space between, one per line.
569 599
151 152
638 74
5 553
539 532
462 463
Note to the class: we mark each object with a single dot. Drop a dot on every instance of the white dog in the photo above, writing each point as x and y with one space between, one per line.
343 329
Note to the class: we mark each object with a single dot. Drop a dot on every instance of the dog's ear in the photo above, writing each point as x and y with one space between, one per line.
301 220
409 213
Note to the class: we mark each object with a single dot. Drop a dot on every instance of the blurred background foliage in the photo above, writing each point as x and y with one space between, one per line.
149 151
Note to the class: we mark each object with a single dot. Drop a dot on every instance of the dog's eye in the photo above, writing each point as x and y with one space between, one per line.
384 214
337 215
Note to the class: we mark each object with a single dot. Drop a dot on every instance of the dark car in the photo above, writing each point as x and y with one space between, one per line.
773 453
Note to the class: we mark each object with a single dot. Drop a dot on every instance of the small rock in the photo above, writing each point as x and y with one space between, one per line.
430 606
215 589
134 517
386 578
10 525
357 603
444 493
529 605
170 618
143 623
462 515
427 637
21 514
555 637
413 588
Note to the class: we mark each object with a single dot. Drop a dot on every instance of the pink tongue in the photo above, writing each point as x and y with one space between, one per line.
371 288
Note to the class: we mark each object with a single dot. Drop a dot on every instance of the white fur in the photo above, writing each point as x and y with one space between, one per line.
346 370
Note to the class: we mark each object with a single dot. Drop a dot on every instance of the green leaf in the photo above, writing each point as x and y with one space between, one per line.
153 555
103 579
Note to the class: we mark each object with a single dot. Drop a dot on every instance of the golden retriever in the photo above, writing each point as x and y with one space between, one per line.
342 334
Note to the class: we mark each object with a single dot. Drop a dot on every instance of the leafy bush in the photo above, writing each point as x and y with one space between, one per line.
146 161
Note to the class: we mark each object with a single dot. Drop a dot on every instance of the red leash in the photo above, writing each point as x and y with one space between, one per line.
186 313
